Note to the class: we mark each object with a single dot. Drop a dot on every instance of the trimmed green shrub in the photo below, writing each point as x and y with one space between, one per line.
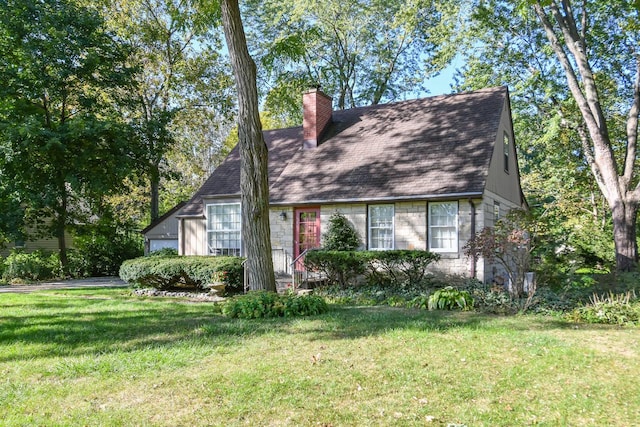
340 235
340 267
259 304
183 271
400 267
449 298
394 267
37 265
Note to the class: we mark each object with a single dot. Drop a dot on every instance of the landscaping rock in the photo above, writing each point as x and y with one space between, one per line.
197 296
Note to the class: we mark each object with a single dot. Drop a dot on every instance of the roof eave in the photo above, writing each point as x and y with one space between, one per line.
447 196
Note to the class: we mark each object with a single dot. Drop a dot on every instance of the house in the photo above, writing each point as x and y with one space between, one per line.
34 241
418 174
163 232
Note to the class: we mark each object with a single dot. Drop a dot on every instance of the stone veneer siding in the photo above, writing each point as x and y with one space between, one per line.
411 230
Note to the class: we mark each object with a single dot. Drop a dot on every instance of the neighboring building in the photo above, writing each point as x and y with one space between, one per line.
35 243
419 174
163 232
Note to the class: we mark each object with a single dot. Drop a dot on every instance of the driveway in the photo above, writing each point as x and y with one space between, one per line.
91 282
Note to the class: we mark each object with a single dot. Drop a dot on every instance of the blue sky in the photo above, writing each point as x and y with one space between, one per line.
441 84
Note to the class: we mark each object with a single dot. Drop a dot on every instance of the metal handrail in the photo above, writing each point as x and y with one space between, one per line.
293 267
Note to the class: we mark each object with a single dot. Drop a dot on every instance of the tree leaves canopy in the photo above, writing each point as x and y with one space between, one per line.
361 52
61 139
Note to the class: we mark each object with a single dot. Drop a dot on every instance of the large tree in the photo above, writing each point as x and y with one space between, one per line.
575 68
254 187
361 52
598 47
184 83
63 146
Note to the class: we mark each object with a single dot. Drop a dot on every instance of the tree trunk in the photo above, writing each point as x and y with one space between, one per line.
256 234
154 180
61 221
624 235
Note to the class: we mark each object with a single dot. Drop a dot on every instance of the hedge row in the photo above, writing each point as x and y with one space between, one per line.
167 272
399 267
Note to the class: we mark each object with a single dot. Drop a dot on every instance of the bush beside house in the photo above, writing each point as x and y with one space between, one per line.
169 272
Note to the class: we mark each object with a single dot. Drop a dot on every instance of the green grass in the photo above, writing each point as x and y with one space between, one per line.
104 357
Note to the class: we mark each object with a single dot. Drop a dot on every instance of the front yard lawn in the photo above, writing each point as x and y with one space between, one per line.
105 357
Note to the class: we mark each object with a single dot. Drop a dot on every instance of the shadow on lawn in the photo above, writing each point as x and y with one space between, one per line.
50 325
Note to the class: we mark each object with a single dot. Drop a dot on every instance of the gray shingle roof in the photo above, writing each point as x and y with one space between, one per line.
430 147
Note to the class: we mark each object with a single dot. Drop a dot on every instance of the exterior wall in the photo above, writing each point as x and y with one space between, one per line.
507 184
167 229
410 225
493 270
281 239
411 232
49 244
458 263
195 234
163 235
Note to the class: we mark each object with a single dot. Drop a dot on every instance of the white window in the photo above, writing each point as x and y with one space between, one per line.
496 211
223 229
381 227
443 227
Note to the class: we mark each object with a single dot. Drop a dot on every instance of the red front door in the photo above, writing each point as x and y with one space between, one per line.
306 231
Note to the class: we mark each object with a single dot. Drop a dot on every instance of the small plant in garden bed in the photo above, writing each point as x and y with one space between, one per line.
259 304
614 309
449 298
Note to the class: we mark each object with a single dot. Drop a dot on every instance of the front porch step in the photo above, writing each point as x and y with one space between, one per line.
283 283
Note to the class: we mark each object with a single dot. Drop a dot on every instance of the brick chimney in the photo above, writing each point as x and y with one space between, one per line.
317 109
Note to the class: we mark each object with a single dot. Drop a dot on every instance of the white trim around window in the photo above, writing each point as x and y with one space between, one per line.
224 229
443 227
381 227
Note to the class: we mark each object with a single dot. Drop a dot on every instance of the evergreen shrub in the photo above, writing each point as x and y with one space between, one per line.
340 267
167 272
400 267
340 235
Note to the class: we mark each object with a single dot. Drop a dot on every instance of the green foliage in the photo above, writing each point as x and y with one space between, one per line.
374 294
64 146
613 309
99 251
260 304
449 298
400 267
182 97
164 252
395 267
372 52
37 265
340 235
339 266
190 271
